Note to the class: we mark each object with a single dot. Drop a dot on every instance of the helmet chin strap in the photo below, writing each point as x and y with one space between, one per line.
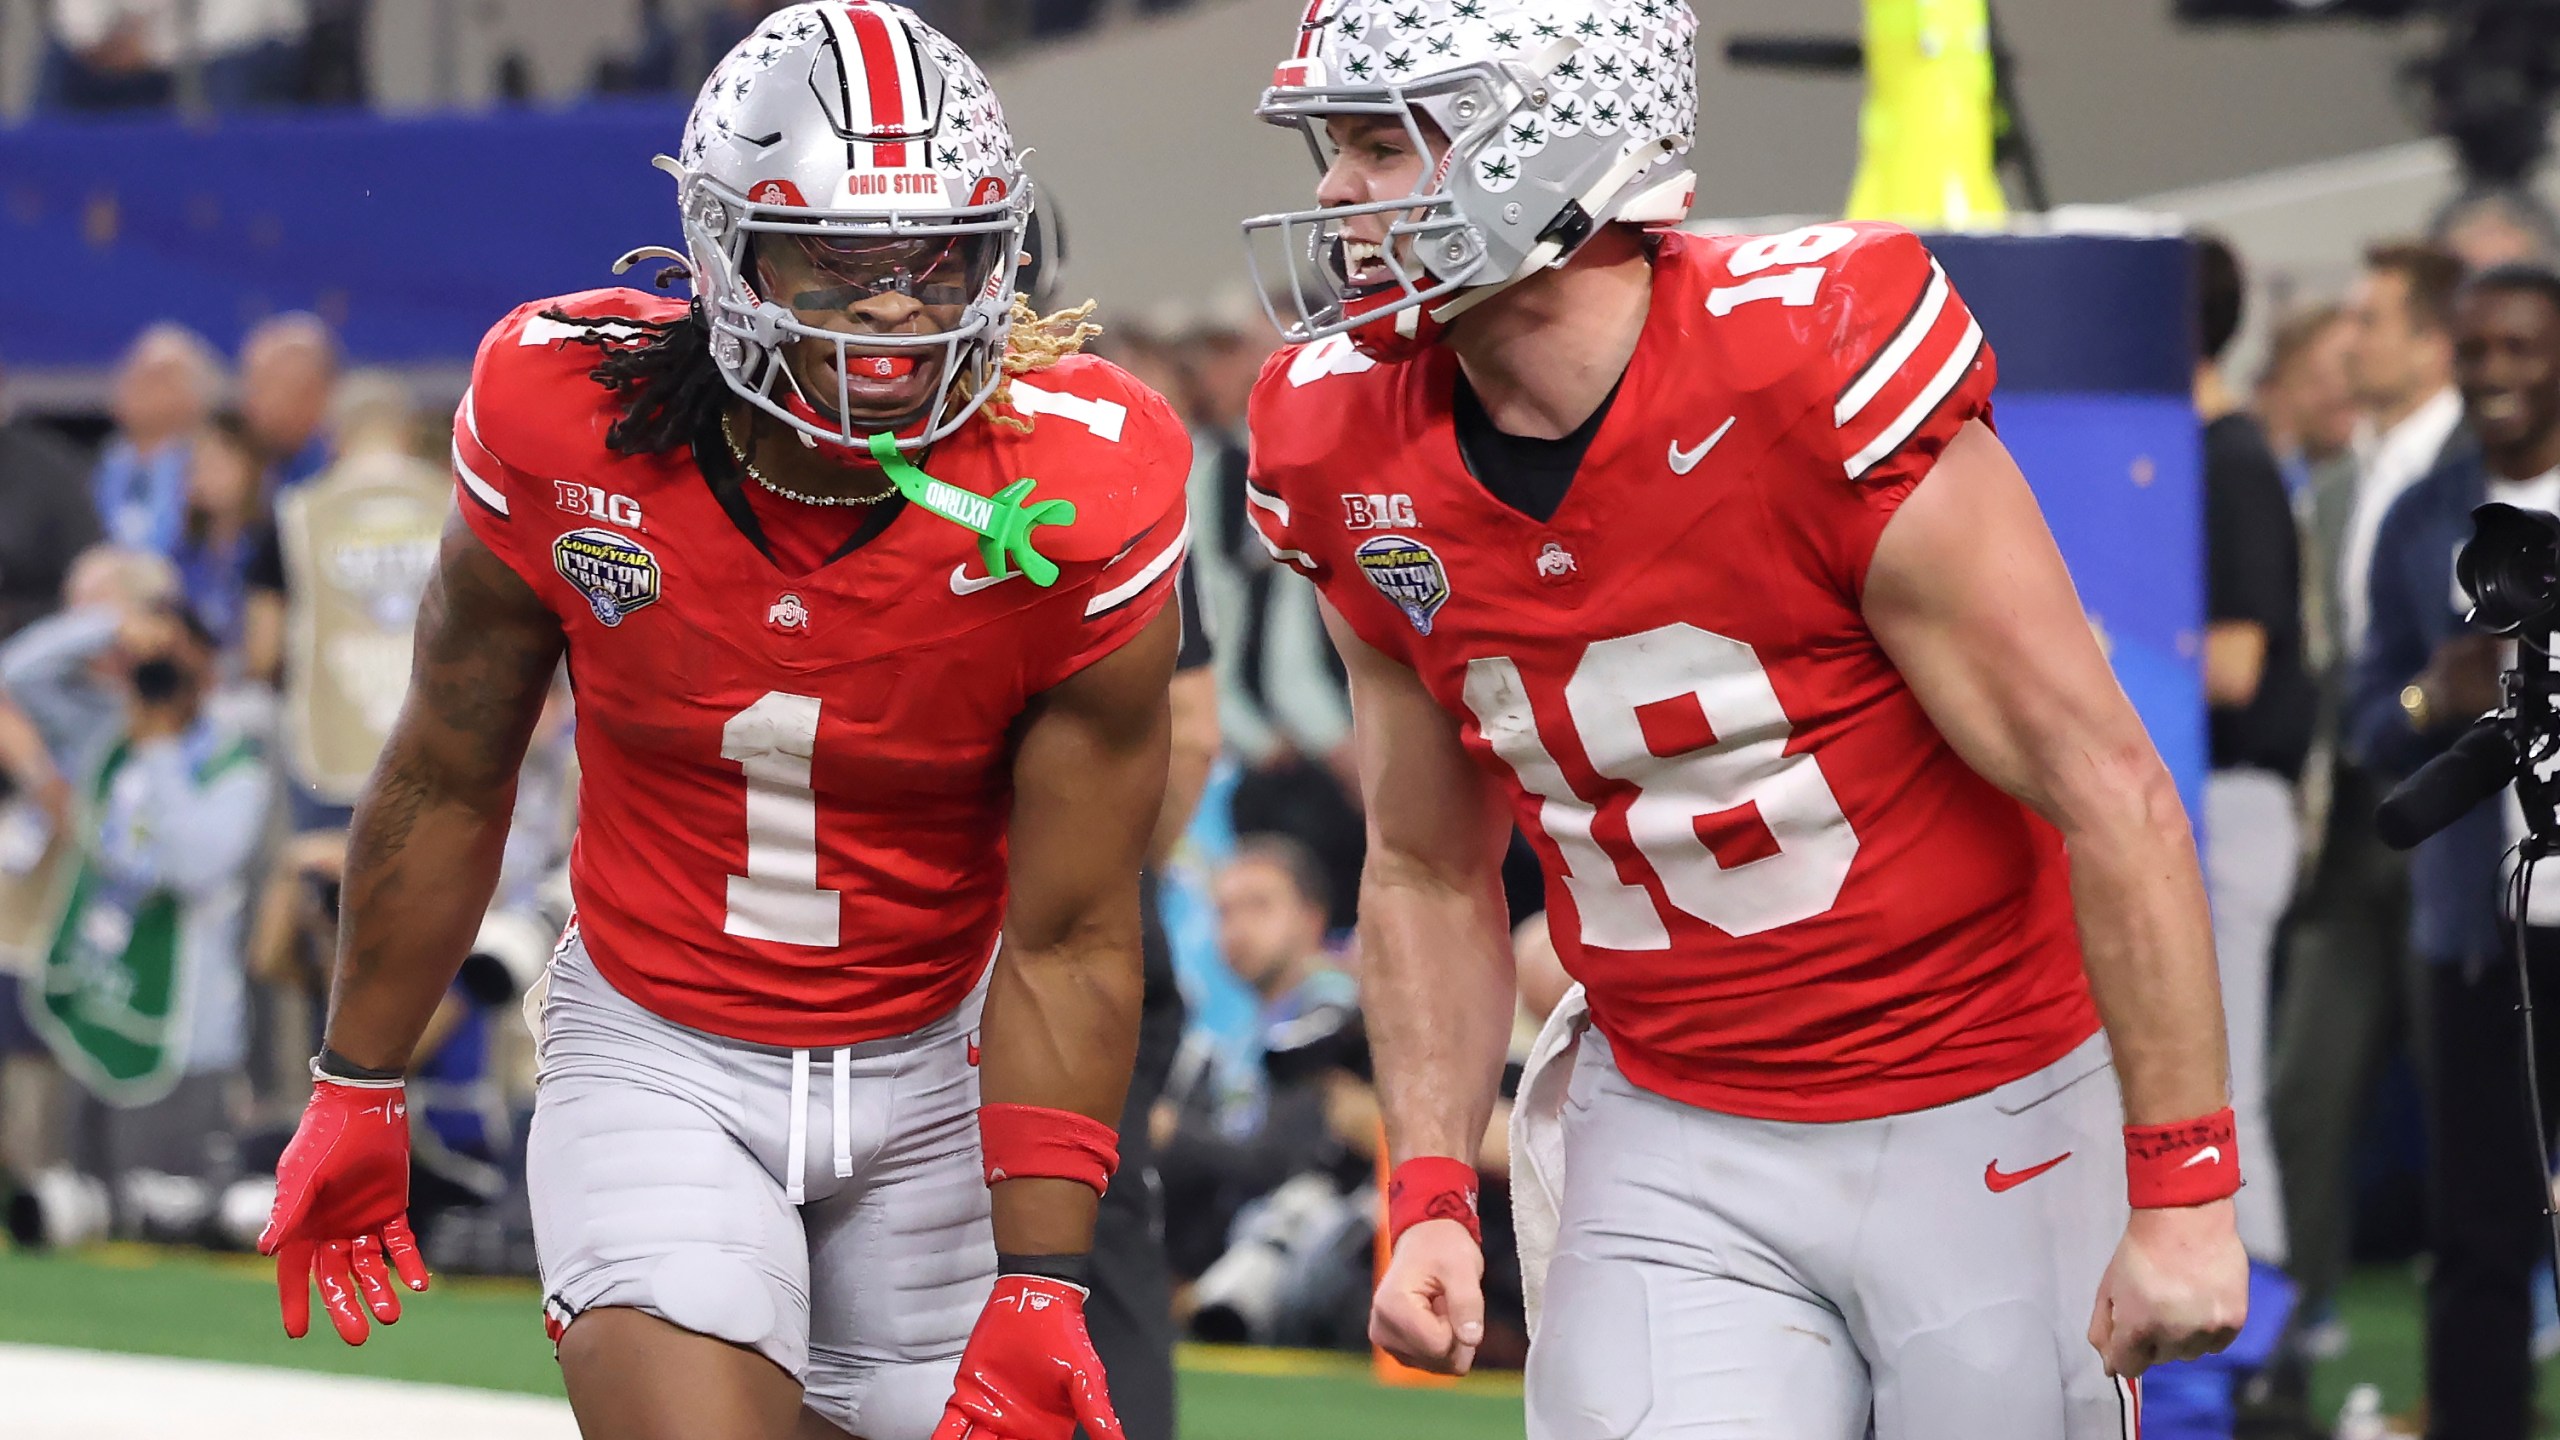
1553 250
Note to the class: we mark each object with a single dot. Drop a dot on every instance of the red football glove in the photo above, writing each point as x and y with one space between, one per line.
1029 1372
342 1208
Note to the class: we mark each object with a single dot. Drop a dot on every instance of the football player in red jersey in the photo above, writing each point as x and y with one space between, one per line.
861 576
1698 560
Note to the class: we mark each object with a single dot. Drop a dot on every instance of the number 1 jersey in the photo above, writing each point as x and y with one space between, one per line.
794 788
1787 895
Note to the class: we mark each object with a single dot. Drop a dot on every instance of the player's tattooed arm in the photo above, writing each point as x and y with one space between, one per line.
1969 596
1437 986
431 827
1061 1025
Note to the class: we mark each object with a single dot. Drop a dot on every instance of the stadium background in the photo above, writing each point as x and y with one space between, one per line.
486 165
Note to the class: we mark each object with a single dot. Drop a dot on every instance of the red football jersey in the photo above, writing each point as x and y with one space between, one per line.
1787 895
794 788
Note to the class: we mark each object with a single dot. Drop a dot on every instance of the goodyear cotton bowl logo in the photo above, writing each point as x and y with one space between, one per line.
1407 572
616 573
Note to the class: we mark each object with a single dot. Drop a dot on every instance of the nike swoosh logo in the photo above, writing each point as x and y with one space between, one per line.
2210 1153
1998 1180
1684 461
961 584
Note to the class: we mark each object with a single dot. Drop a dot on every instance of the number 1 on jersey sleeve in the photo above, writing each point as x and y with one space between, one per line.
778 899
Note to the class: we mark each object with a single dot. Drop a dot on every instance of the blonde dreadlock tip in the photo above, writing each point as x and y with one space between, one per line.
1038 342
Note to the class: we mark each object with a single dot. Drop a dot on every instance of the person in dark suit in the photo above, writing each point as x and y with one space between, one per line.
46 518
2421 678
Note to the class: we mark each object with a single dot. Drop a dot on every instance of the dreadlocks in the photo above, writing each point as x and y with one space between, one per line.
673 389
666 371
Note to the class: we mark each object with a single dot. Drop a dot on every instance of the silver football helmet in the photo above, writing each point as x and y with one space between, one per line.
1547 118
843 151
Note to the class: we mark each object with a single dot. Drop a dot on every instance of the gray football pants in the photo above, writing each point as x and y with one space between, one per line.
1761 1280
824 1208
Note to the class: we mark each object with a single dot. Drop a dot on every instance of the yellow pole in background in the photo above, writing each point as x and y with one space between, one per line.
1925 132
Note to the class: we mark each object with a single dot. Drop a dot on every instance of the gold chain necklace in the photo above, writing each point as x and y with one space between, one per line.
739 453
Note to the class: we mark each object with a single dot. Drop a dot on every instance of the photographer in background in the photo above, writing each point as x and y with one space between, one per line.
144 999
1307 1121
2422 677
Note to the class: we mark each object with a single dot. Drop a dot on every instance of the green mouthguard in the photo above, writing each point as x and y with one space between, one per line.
1002 523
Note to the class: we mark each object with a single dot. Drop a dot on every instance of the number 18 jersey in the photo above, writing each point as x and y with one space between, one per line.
1788 897
794 788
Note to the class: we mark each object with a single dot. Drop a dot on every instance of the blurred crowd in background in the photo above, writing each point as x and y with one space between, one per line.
224 55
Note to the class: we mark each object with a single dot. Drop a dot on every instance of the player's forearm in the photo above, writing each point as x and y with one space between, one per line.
2146 938
1437 993
1193 697
1061 1033
422 861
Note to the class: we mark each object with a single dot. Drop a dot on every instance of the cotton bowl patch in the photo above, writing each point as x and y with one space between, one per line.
616 573
1407 572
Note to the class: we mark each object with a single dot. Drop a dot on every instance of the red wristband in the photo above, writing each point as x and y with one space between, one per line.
1432 1187
1034 1142
2193 1162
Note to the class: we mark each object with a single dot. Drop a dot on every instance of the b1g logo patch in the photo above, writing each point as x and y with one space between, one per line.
616 573
1407 572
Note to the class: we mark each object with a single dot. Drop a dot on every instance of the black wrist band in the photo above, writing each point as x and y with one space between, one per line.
338 1067
1071 1269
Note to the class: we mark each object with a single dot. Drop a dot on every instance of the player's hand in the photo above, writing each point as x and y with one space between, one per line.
1029 1372
341 1218
2177 1288
1429 1310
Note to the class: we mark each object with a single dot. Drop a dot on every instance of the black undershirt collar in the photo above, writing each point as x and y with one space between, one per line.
1529 475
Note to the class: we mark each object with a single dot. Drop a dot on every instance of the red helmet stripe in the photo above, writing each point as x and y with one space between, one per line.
1307 27
892 95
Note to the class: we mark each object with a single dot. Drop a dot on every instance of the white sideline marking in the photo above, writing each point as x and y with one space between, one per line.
52 1394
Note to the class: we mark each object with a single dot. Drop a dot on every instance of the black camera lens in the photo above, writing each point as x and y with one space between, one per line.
2510 567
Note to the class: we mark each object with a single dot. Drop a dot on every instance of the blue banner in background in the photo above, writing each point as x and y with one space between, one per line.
2121 482
2097 360
412 236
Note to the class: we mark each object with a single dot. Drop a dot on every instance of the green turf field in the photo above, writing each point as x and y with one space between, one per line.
489 1333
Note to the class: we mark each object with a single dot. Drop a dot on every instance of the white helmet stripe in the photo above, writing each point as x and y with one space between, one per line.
912 114
849 71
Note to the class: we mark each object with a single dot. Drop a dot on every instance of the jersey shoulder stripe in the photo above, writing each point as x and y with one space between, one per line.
1921 358
1123 591
473 464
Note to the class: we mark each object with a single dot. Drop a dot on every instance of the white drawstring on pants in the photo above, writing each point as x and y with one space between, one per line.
796 1157
844 1114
